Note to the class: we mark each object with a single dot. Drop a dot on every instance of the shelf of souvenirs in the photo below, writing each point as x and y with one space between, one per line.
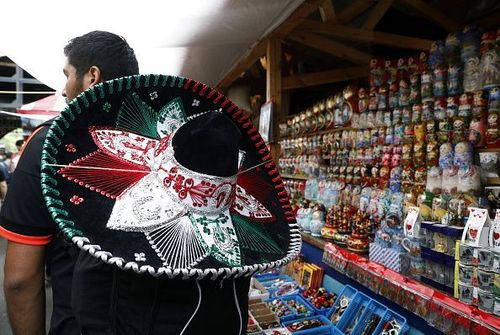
422 300
316 133
493 181
295 176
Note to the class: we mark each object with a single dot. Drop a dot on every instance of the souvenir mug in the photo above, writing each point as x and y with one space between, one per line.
466 254
465 293
485 258
486 301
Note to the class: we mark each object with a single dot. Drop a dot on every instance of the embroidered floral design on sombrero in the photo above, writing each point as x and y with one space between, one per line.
155 194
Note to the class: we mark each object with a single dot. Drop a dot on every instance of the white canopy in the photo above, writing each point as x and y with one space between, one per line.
200 39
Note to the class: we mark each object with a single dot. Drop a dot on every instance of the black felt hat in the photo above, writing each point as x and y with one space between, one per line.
164 175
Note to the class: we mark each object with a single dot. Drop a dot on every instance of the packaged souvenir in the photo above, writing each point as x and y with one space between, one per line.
404 93
394 95
452 48
454 83
490 63
439 82
436 54
446 156
463 155
472 75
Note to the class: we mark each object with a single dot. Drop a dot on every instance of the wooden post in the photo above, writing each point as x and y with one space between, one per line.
273 91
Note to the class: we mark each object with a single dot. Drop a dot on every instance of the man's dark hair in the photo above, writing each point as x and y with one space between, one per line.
109 52
19 143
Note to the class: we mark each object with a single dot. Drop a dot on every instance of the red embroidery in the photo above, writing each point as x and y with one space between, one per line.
76 200
70 148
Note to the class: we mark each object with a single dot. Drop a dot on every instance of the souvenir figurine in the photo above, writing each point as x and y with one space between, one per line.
387 119
383 180
494 100
414 97
423 63
463 155
399 132
472 75
407 155
406 116
452 49
427 111
446 156
420 132
465 105
477 132
436 54
493 130
407 179
317 220
416 115
459 128
382 135
404 93
329 112
402 69
389 136
452 107
490 63
420 179
454 83
373 100
480 103
412 63
370 119
444 131
434 182
419 154
383 97
393 95
396 116
432 154
440 108
379 118
391 72
426 91
338 112
376 72
430 131
409 134
471 38
395 179
363 100
439 82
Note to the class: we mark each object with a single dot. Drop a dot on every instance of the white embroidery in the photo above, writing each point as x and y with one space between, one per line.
140 257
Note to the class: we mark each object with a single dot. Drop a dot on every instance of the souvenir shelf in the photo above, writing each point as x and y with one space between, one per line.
441 310
298 177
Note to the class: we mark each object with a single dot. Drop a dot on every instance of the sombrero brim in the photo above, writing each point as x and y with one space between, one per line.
100 160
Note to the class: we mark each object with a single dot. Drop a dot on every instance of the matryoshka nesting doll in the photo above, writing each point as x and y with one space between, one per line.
414 89
383 97
376 77
395 179
472 75
446 155
420 132
459 129
373 99
452 107
490 63
426 86
436 54
416 115
427 111
394 95
454 79
407 155
463 155
419 154
493 131
363 100
404 93
479 104
432 154
431 130
439 82
406 115
477 132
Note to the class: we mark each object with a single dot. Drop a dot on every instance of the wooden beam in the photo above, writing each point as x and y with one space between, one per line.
377 13
273 90
364 35
433 14
354 9
334 48
259 49
325 77
491 21
327 12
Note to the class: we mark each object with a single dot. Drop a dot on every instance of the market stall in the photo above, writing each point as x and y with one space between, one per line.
389 147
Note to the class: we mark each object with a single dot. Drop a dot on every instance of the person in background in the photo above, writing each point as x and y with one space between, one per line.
15 158
33 240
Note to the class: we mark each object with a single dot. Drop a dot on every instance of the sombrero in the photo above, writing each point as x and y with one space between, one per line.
166 176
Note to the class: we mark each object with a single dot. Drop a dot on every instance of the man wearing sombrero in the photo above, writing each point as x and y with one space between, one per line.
173 196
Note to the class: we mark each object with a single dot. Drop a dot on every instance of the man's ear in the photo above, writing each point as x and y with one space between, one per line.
92 77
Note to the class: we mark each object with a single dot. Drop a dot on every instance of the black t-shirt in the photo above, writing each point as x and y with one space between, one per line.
91 297
25 219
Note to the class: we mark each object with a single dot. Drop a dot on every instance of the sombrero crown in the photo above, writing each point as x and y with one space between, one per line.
164 175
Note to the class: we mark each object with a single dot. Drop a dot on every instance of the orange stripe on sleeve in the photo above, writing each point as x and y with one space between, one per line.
23 239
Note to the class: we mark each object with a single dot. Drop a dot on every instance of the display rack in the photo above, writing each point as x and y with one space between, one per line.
481 322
